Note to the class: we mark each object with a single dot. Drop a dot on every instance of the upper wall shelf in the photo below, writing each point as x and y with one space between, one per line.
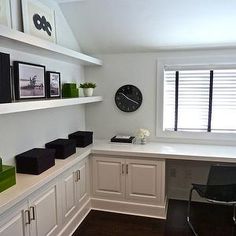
20 41
7 108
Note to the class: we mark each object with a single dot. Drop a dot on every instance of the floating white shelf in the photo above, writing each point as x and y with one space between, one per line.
15 107
21 41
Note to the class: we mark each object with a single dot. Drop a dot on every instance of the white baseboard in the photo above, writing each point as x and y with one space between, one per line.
130 208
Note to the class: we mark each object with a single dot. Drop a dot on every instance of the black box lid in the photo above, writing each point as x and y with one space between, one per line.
37 153
82 133
61 142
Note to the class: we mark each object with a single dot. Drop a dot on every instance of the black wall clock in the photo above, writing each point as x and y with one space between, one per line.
128 98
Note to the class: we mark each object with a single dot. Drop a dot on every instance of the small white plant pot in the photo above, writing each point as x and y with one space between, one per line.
88 92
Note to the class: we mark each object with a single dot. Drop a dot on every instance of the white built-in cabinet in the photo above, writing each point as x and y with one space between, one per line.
144 181
44 211
129 179
47 210
13 222
108 177
133 185
36 216
75 188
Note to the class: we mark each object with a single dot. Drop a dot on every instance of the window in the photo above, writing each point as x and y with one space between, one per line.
200 100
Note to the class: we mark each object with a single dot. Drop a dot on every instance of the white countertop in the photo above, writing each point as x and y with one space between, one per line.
27 184
196 152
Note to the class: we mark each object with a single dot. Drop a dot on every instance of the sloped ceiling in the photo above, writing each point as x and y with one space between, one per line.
117 26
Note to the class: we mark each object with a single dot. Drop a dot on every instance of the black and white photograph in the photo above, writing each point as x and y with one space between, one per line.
39 20
53 84
29 80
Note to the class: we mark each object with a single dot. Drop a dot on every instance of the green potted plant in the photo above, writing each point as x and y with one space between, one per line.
88 88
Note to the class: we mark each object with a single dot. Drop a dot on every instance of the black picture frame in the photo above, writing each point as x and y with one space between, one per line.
5 83
29 80
53 84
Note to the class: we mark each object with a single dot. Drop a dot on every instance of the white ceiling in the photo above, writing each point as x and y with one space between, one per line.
117 26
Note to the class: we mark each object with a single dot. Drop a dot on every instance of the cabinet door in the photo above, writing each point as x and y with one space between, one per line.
144 180
68 191
108 177
82 184
15 222
44 212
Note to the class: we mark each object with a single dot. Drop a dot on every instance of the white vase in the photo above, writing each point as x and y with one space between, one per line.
88 92
143 141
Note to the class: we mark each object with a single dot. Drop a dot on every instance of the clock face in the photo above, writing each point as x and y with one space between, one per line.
128 98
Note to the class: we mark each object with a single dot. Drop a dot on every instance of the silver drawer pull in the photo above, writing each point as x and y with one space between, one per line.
75 176
123 168
32 209
27 217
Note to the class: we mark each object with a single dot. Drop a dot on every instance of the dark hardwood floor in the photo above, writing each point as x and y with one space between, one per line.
209 220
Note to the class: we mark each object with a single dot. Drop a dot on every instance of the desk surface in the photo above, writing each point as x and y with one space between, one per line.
175 151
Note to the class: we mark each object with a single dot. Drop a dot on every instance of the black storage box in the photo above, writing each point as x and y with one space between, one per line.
35 161
64 147
83 138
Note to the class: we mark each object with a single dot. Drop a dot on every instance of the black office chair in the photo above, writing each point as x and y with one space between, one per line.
220 189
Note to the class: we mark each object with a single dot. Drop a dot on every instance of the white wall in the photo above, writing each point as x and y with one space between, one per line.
106 120
117 70
23 131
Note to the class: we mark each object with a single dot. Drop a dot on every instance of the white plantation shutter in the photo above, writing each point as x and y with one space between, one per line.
169 100
193 103
224 101
190 111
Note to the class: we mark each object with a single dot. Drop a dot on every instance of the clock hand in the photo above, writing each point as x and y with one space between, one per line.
129 98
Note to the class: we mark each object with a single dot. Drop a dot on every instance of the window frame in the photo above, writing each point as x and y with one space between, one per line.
178 63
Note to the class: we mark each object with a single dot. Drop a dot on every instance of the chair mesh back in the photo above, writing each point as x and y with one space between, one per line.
221 184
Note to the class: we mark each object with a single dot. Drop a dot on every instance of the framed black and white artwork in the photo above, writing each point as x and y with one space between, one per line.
5 13
29 80
39 20
53 84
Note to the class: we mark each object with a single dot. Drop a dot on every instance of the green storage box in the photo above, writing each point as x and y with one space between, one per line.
7 177
69 86
69 90
0 164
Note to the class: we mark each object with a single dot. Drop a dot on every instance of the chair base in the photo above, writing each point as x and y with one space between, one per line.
189 212
191 226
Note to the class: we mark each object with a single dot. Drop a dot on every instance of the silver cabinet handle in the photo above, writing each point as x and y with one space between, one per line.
127 169
32 209
123 168
75 176
27 217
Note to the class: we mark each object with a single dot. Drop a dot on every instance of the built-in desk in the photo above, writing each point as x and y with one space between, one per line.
127 178
169 151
